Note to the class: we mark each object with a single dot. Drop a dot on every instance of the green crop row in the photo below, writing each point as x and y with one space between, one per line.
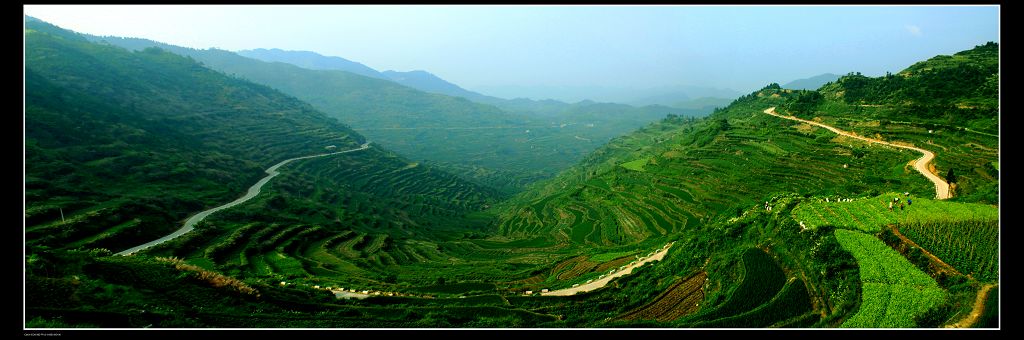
972 247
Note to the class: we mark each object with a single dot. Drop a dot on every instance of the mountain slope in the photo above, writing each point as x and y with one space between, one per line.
126 145
948 104
678 173
478 142
427 82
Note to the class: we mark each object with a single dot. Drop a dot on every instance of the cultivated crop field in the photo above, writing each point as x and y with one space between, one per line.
872 213
680 299
762 280
894 291
972 247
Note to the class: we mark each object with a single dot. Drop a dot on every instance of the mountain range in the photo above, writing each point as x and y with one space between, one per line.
812 83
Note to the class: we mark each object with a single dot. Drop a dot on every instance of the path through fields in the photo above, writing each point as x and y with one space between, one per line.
253 191
941 187
657 256
979 307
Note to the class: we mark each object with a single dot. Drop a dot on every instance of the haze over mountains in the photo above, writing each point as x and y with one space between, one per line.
499 138
690 97
812 83
420 80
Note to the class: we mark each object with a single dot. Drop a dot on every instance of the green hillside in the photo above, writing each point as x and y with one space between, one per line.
740 219
190 138
478 142
700 170
947 104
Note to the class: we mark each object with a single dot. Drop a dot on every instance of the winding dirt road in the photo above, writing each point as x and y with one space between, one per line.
657 256
941 187
253 191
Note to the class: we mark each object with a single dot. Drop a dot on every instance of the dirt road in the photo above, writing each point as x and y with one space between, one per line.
660 254
979 307
252 192
941 187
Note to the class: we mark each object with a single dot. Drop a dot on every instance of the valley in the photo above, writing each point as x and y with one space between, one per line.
173 187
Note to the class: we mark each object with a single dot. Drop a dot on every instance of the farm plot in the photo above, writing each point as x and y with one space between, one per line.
681 299
972 247
762 280
894 291
871 214
791 302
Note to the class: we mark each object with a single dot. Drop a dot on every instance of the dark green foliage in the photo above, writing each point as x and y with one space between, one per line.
970 246
941 80
762 279
792 301
165 137
398 302
935 316
804 103
456 288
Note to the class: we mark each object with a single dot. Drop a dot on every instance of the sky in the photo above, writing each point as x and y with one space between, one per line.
502 50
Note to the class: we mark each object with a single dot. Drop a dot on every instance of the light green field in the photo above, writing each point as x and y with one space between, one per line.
871 214
894 291
637 165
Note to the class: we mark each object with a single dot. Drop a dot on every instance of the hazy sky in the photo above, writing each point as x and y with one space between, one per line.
480 47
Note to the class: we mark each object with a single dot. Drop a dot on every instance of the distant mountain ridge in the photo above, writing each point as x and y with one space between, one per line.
417 79
684 97
310 60
812 83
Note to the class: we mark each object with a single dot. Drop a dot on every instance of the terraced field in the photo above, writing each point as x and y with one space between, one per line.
870 214
968 153
354 218
729 167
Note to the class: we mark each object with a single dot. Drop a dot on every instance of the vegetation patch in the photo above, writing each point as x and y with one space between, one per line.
792 301
762 280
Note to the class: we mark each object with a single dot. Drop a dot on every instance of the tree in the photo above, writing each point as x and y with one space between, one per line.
440 281
950 177
723 124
